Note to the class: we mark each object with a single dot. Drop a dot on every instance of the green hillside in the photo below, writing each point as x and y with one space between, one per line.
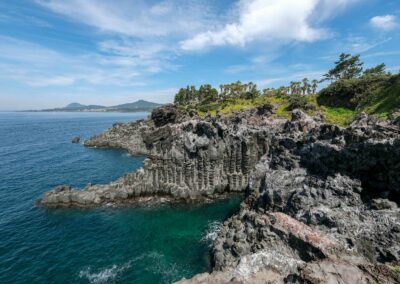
350 90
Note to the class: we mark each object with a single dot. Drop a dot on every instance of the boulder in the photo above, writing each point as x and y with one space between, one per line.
76 139
164 115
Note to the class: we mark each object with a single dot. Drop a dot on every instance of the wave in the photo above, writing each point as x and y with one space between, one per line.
168 272
105 275
211 234
157 264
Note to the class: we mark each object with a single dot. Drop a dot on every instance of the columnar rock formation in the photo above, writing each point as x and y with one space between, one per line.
321 201
189 159
317 210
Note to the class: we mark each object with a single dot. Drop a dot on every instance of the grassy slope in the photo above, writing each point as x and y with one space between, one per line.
380 102
340 116
383 101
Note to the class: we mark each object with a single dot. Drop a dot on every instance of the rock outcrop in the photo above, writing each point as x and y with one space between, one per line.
76 139
188 159
321 201
317 210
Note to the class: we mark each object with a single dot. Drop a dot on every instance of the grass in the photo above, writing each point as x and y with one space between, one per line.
231 106
396 268
381 102
338 115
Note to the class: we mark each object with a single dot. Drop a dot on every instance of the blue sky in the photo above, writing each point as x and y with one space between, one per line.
53 52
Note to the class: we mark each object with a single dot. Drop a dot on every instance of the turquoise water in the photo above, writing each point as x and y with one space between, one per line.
157 244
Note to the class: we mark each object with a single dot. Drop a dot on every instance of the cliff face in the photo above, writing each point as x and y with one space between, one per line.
321 201
189 159
320 208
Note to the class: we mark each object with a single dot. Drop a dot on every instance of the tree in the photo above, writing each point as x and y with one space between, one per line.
347 67
376 71
305 86
207 93
296 88
252 91
314 86
292 87
186 95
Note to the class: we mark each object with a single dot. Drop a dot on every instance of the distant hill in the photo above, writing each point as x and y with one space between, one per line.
78 106
138 106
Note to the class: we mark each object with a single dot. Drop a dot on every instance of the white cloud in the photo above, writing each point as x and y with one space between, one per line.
136 35
269 20
39 66
136 18
51 81
386 22
297 76
359 44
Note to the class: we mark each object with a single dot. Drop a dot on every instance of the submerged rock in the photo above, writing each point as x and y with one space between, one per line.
76 139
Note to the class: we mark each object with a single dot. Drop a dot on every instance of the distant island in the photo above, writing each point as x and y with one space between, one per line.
138 106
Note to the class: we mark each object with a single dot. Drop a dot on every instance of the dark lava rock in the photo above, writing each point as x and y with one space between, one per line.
382 204
266 109
76 139
319 198
206 129
164 115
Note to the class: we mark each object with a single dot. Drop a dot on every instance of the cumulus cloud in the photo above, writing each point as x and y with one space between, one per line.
386 22
268 20
137 33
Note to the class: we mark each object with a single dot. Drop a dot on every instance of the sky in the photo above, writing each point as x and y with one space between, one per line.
54 52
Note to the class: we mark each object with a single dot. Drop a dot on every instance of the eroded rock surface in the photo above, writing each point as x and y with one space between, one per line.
317 210
188 159
321 201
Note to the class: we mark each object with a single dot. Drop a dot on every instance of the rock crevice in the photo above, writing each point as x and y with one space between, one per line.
321 201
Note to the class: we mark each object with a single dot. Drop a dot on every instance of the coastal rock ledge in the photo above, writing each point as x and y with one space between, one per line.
321 201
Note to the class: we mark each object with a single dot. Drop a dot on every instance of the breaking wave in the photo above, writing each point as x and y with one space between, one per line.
212 232
157 264
105 275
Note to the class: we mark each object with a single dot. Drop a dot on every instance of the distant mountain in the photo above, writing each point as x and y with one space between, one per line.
75 105
78 106
138 106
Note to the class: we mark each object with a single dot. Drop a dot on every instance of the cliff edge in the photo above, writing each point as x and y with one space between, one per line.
321 201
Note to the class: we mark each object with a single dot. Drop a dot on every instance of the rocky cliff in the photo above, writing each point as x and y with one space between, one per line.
321 201
188 159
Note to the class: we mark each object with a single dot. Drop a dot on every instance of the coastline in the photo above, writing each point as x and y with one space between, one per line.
245 152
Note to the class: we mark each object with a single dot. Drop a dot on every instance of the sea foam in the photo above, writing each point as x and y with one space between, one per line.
105 275
212 232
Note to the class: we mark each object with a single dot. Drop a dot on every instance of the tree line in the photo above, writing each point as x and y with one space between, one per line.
347 67
238 90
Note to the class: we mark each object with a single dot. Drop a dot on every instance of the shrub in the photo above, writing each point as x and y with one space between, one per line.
300 102
351 93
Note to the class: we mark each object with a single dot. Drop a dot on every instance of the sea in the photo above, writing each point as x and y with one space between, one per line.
145 244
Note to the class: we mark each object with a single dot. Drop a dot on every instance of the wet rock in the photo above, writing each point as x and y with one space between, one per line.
76 139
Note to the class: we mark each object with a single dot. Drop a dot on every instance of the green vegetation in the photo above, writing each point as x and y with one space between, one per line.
396 268
339 115
351 90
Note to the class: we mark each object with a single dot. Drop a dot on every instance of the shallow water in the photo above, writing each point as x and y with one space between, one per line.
152 244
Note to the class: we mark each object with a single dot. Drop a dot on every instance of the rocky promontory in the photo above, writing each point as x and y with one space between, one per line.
321 201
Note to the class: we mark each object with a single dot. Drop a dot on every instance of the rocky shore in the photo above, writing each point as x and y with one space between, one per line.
321 201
